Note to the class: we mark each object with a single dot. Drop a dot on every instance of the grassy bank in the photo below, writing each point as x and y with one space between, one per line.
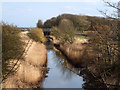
31 71
37 35
82 37
102 44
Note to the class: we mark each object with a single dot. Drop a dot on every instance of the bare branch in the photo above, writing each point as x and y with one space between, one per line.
112 5
105 14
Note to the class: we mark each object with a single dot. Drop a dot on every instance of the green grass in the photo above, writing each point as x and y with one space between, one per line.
84 32
82 37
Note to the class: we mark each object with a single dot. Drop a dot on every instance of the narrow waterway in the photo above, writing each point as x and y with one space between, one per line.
61 74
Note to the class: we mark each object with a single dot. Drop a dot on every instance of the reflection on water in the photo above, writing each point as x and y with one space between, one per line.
61 73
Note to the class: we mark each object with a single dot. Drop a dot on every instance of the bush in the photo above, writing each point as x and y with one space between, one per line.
12 46
65 31
39 24
50 23
105 43
37 35
80 23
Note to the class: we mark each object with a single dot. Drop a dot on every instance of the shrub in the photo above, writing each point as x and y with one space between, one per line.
80 23
50 23
65 31
12 46
39 24
37 35
105 43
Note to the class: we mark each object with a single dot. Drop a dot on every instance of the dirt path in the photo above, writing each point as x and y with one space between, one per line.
30 73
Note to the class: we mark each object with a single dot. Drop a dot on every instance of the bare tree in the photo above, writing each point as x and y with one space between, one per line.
106 43
116 6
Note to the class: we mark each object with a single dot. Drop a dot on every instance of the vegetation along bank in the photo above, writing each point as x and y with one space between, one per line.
26 69
89 42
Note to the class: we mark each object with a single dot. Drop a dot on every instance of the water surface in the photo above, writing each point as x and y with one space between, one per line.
61 74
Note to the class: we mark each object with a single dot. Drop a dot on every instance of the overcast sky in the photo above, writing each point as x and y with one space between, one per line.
26 14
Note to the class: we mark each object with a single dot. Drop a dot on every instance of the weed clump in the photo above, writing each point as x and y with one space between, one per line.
37 35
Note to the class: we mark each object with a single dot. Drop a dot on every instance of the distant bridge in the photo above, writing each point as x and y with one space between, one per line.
25 28
46 31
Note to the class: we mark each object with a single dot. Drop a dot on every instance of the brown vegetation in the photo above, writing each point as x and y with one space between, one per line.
37 54
77 53
37 35
12 46
31 72
100 52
